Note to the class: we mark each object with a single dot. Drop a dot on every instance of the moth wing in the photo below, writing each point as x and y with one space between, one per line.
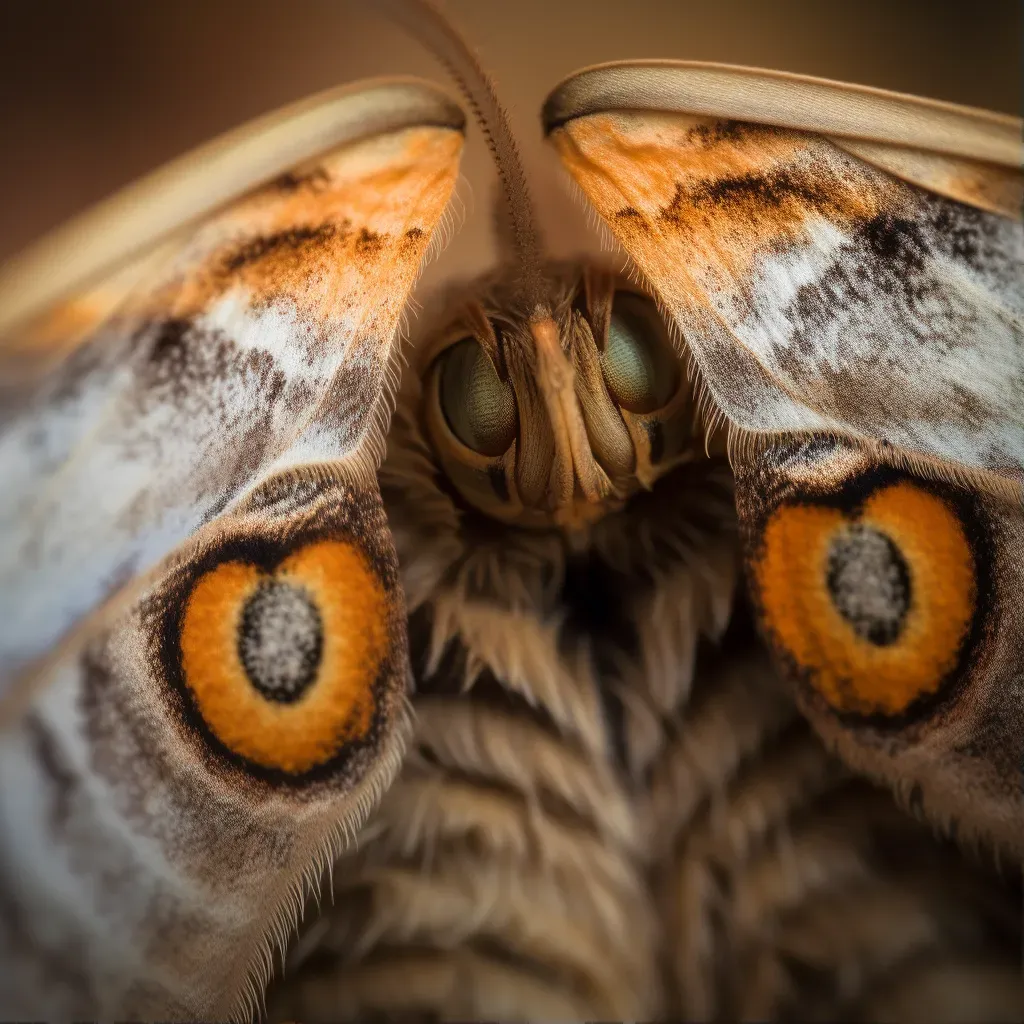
838 259
890 601
202 633
228 318
847 268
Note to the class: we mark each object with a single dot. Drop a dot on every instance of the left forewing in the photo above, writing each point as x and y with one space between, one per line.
203 654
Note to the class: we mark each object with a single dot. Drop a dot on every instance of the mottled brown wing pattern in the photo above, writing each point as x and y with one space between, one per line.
821 293
257 344
848 267
204 655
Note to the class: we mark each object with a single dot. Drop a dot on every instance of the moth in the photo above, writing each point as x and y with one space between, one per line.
548 638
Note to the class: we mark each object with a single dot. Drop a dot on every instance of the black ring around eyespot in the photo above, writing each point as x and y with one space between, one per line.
850 498
167 614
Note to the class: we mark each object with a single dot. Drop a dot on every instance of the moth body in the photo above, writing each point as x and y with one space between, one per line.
626 645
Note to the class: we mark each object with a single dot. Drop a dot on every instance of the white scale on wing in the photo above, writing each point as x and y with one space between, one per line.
870 340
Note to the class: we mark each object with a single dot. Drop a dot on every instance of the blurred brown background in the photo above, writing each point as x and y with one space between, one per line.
94 93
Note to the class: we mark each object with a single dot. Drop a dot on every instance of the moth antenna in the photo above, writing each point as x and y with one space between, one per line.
428 24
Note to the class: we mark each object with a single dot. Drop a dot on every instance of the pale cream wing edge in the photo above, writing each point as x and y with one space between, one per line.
191 187
790 101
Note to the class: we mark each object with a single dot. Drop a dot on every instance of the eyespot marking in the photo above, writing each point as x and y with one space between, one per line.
281 661
873 602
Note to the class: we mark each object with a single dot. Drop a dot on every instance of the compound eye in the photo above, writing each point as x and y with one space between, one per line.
872 604
478 406
639 368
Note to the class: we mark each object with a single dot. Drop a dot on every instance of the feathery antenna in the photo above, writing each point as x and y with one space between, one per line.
426 22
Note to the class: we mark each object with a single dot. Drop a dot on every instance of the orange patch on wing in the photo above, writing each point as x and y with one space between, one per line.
340 239
336 705
673 186
329 236
853 673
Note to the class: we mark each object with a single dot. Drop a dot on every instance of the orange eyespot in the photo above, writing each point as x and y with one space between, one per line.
873 605
281 663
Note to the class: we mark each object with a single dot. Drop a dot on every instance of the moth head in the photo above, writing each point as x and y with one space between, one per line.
557 393
557 419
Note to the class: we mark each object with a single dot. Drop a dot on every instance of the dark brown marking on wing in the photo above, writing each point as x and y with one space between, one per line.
267 265
200 373
746 190
629 213
352 395
294 240
180 364
368 243
760 191
979 239
887 274
184 364
291 181
411 240
289 492
64 780
187 362
169 343
718 132
781 198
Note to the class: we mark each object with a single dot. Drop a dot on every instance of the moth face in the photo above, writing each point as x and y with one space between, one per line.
557 421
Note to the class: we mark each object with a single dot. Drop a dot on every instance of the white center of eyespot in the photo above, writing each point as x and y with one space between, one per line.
280 640
869 583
